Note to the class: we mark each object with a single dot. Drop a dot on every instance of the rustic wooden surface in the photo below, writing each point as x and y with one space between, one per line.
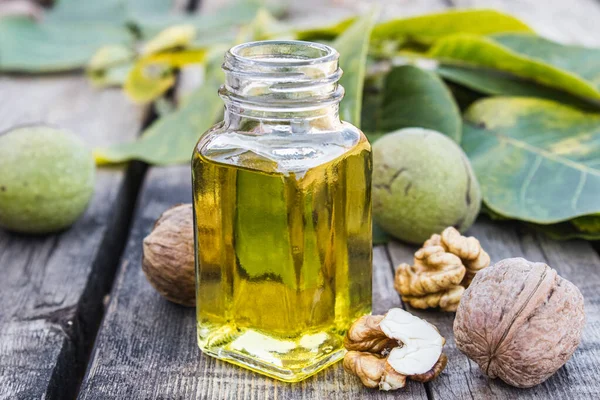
53 286
145 339
167 363
146 347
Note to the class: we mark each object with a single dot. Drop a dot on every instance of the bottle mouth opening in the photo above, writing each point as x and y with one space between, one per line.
283 52
282 73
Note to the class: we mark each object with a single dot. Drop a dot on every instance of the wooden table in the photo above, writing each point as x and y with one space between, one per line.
78 317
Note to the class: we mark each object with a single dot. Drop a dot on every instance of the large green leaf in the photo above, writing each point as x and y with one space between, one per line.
28 46
110 65
499 83
414 97
379 235
353 46
536 160
218 23
371 108
151 76
106 11
171 139
428 28
589 224
113 11
68 35
586 227
463 96
139 10
328 32
263 27
581 61
570 229
481 51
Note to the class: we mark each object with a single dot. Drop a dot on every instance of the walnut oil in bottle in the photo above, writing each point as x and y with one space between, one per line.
282 209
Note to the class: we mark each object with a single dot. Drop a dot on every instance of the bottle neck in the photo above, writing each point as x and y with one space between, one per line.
258 121
290 84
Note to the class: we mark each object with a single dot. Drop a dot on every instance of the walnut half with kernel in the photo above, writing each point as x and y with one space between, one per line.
385 350
520 321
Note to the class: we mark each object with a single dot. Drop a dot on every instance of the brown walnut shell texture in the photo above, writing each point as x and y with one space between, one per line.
520 321
168 260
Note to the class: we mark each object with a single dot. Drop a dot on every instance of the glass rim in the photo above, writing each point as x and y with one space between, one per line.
328 53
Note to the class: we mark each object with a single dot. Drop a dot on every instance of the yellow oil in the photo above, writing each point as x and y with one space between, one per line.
283 259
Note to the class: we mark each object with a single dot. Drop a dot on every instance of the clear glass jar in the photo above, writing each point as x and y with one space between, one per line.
282 210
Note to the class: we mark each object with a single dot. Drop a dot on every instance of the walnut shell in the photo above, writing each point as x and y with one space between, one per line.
519 321
168 260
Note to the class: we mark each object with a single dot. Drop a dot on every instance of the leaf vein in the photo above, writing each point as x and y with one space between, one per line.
527 181
546 154
577 193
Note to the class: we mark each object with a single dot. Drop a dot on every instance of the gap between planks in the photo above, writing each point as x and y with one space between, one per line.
217 368
574 260
147 346
65 328
54 284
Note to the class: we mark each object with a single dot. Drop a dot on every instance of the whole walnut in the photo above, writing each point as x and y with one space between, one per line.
168 260
519 321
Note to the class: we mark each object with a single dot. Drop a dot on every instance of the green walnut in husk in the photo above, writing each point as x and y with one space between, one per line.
422 183
46 179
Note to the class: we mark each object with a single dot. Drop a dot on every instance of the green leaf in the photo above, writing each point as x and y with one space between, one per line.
171 139
263 27
581 61
428 28
219 22
110 65
153 75
173 37
375 136
371 107
379 235
28 46
536 160
498 83
74 30
566 230
105 11
561 230
109 56
320 33
588 224
417 98
112 76
463 96
353 46
143 9
485 52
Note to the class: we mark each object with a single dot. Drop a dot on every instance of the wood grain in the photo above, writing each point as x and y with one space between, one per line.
147 347
575 261
568 22
53 285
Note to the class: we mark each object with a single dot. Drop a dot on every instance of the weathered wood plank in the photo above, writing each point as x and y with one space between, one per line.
147 347
567 22
178 368
574 260
53 285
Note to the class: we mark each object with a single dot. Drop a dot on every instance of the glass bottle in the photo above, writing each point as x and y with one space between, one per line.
282 213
